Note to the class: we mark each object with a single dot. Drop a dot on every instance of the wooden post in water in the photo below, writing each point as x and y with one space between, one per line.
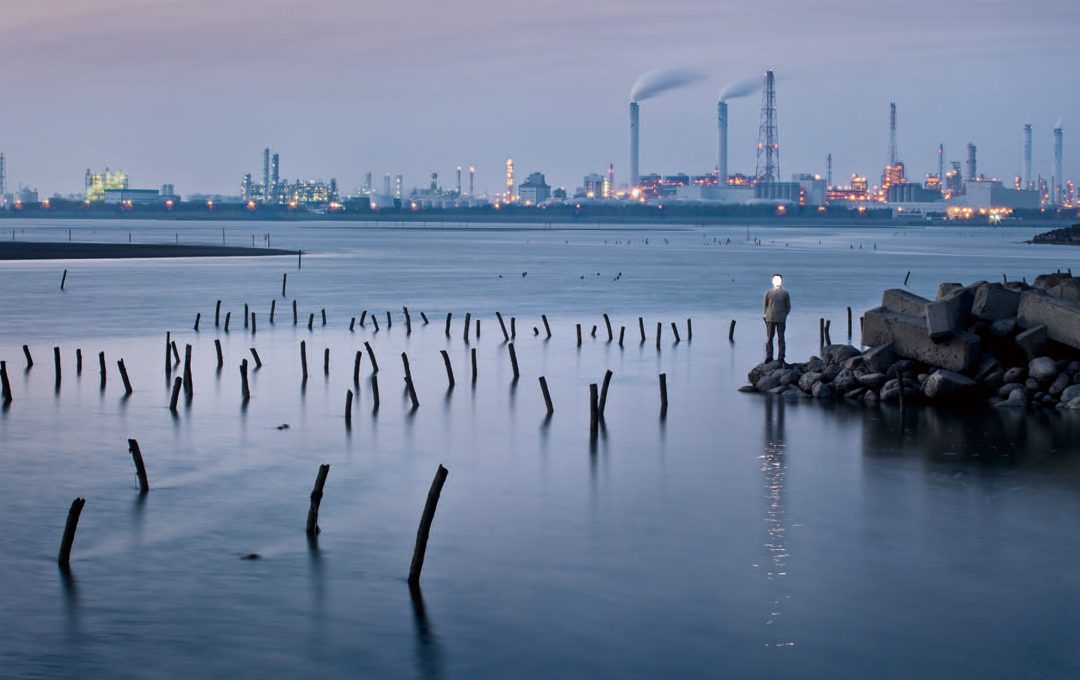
352 325
168 356
663 395
29 359
284 280
731 331
348 408
622 334
603 394
246 313
198 317
56 365
477 329
220 358
64 558
189 388
641 327
409 381
303 358
513 360
363 315
63 280
607 323
659 328
253 327
408 321
294 313
140 467
423 317
689 330
513 328
389 320
375 322
448 316
124 377
578 329
178 382
907 277
255 356
374 393
273 306
594 409
424 531
175 353
821 332
592 333
849 323
316 500
356 367
547 395
78 361
5 384
675 332
547 328
828 335
449 368
217 314
326 361
311 321
101 367
472 353
502 325
228 315
468 324
371 355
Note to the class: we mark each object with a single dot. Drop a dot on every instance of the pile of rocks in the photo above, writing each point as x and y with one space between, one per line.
1009 344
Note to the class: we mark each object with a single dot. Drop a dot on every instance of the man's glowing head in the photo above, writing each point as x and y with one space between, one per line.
777 280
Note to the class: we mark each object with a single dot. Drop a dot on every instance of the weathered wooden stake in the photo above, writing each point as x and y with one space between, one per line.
425 526
424 318
468 325
675 332
731 331
63 280
356 367
641 327
56 364
473 354
140 467
547 395
303 358
168 354
594 408
311 321
849 323
828 335
284 280
513 328
659 328
253 327
409 381
578 329
477 329
513 360
821 332
175 353
448 316
348 408
198 317
547 328
408 321
689 330
374 393
592 333
294 313
449 368
64 557
101 367
124 377
220 358
228 316
389 320
217 314
177 384
502 325
189 388
363 315
255 356
375 322
323 311
273 307
326 361
316 499
29 359
907 277
245 315
603 394
622 334
78 361
5 384
607 323
371 355
663 395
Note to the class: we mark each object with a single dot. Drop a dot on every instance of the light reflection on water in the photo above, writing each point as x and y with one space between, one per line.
639 553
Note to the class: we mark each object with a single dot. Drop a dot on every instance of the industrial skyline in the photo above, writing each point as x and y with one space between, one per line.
172 92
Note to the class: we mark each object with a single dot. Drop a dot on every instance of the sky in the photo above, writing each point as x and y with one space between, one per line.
190 91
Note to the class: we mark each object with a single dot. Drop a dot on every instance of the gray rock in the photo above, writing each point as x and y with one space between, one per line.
790 377
767 382
994 301
1031 385
855 393
1059 384
1074 404
1042 369
1049 400
807 381
1071 392
823 391
879 359
1016 374
757 372
943 385
779 389
1008 388
1032 341
1004 328
748 388
1017 395
845 380
871 397
875 381
838 354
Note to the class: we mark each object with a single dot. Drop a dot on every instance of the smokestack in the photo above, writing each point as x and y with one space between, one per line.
721 120
971 166
266 175
634 176
892 134
1059 152
459 181
1027 157
275 178
941 165
828 171
472 178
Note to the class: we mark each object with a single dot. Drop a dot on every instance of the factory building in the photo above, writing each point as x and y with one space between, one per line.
986 194
534 190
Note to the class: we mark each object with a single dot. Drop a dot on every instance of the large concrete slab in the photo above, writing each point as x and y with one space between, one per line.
1061 317
900 301
994 301
911 340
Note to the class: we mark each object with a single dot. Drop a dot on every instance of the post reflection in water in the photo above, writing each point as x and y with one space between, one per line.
429 657
774 468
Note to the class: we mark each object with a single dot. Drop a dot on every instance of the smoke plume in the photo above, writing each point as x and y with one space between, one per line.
740 88
658 81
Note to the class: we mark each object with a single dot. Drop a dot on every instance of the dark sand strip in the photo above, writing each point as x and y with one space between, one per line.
28 250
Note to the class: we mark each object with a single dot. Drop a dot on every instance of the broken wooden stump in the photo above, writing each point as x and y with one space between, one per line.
547 395
371 355
255 356
449 368
29 359
198 317
547 328
603 394
424 531
220 357
124 377
663 395
303 359
356 367
177 384
140 467
502 325
607 323
514 361
5 384
316 500
468 324
217 314
348 408
64 558
409 381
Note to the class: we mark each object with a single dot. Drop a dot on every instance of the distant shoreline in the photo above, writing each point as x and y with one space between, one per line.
31 250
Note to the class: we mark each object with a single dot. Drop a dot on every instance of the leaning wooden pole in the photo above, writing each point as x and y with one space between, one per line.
140 467
513 361
547 395
316 500
64 557
5 384
603 394
124 377
424 531
449 368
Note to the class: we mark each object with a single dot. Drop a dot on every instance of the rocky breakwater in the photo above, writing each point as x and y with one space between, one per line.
1008 344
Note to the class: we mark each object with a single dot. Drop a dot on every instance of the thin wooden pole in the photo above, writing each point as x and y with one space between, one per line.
348 408
273 307
220 357
189 387
578 328
228 316
303 358
63 280
326 361
255 356
29 359
217 314
409 381
316 500
64 558
375 322
101 367
5 384
178 383
547 328
389 320
408 321
502 325
295 313
371 355
124 377
641 327
374 393
363 315
468 324
472 353
175 353
284 280
449 368
168 355
659 328
731 331
56 365
594 408
448 316
603 394
547 395
663 395
513 328
514 361
607 323
675 332
423 317
356 367
253 327
622 333
311 321
78 361
246 314
140 467
424 531
849 323
198 317
689 330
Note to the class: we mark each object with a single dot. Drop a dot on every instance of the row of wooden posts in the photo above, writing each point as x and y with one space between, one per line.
312 526
7 395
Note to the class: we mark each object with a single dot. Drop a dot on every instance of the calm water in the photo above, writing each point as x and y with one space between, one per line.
740 537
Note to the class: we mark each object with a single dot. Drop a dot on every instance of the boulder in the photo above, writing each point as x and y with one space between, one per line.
808 380
1042 369
1071 392
910 339
768 381
871 397
1032 341
994 301
1061 317
879 359
762 369
943 385
1008 388
1048 281
1031 385
1003 328
823 391
838 354
1074 404
845 380
1059 384
900 301
944 289
748 388
1017 374
855 393
874 381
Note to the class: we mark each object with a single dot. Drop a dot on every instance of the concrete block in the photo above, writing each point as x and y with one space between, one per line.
911 340
1061 317
944 289
1048 281
994 301
940 321
900 301
880 359
1069 290
1032 341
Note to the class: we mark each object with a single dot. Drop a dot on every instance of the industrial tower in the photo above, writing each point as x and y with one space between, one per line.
3 178
1028 183
892 134
767 168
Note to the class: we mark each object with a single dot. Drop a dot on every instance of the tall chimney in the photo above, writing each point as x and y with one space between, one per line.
634 175
1028 184
1059 152
266 175
971 166
472 180
721 120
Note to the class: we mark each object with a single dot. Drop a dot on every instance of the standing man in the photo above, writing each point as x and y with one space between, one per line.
777 307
